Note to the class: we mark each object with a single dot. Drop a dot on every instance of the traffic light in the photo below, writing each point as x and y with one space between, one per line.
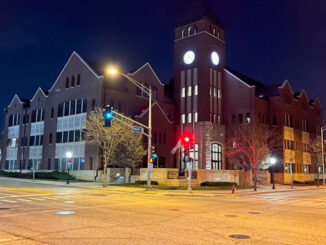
187 140
107 114
154 154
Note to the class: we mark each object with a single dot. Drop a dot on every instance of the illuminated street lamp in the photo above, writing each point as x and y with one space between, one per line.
114 71
272 161
69 162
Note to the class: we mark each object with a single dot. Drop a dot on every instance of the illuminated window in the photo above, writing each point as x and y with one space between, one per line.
215 93
189 117
183 92
183 118
219 94
248 117
216 156
214 31
196 90
183 33
196 117
189 30
189 91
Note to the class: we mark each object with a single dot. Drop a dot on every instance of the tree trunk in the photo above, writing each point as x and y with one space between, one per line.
104 172
255 178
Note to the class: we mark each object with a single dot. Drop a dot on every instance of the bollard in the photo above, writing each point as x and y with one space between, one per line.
233 189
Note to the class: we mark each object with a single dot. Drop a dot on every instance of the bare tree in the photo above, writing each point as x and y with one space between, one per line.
250 145
118 144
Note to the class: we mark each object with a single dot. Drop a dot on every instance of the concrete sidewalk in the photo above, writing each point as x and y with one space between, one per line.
261 189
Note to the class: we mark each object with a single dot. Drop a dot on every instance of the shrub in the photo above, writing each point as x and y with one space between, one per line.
218 184
144 182
55 175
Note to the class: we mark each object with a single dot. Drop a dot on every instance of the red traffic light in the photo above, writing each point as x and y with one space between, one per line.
187 139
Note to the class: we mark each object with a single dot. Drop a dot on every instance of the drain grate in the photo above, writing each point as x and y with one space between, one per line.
231 215
253 213
239 236
4 208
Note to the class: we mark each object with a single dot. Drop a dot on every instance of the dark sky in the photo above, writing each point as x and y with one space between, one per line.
269 40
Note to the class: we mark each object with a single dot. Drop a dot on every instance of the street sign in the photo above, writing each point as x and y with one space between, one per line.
138 129
150 167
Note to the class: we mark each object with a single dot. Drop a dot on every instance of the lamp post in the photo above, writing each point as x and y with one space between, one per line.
69 156
148 91
322 129
272 161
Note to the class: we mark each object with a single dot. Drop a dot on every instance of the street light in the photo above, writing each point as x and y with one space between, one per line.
114 71
322 129
272 161
69 162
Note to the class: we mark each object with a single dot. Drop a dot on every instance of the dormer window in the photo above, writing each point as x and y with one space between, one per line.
189 30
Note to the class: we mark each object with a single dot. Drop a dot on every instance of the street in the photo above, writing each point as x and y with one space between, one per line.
45 214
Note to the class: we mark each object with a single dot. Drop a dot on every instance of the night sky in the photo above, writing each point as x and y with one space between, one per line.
268 40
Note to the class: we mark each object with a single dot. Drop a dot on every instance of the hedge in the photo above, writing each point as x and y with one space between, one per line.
218 184
144 182
54 175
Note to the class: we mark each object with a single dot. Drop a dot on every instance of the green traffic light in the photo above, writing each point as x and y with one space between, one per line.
154 155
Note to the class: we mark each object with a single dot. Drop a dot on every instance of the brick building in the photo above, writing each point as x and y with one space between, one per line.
207 99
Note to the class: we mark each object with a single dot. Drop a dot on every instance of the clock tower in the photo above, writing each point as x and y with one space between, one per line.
199 60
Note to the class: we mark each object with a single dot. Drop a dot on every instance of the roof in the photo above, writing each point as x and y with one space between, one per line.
261 89
196 10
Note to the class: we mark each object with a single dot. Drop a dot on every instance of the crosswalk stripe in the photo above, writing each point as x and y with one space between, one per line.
38 199
24 200
9 201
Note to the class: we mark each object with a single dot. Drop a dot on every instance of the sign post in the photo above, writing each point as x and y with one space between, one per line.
137 129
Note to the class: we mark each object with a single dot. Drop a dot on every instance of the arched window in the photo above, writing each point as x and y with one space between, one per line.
183 33
216 156
189 30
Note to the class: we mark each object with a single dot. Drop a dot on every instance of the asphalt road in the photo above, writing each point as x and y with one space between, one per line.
29 215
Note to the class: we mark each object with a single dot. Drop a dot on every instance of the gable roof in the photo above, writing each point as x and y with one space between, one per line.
143 67
39 89
13 99
75 54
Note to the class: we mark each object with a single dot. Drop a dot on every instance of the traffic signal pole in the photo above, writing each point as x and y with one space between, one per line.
149 149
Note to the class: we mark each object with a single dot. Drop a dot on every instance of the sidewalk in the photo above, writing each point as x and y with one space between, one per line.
261 189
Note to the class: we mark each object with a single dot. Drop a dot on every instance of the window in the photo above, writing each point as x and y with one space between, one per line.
196 90
52 112
210 91
50 138
77 135
66 111
183 118
73 81
189 117
154 93
219 94
71 136
214 31
183 33
196 117
38 115
194 156
196 29
60 110
216 156
65 137
72 107
78 79
67 82
79 106
84 106
247 117
189 30
214 118
215 93
183 92
59 137
189 91
287 120
240 118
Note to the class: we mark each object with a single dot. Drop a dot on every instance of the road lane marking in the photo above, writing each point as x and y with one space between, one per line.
25 189
38 199
9 201
50 198
24 200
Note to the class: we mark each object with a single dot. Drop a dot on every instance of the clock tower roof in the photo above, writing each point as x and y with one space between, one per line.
196 10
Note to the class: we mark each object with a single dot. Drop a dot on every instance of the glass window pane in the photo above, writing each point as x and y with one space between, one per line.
72 107
60 110
65 137
71 136
84 105
66 108
79 104
77 135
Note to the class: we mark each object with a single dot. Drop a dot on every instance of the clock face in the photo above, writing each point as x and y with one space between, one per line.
215 58
189 57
